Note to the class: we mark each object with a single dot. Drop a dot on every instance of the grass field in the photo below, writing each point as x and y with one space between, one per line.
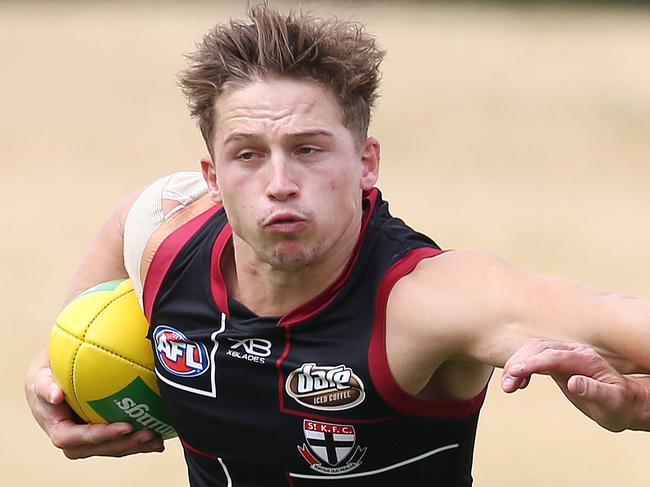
523 131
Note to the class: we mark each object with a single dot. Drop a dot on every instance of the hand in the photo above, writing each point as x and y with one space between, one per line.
57 419
595 387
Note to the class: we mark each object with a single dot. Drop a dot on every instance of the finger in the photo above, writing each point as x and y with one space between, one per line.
596 392
580 361
67 434
156 445
524 382
140 442
540 356
50 416
46 389
534 346
510 383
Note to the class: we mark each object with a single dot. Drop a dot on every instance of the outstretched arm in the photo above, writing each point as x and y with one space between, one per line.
102 262
614 401
472 308
470 305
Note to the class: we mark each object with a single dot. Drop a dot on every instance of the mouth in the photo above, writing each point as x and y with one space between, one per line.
285 223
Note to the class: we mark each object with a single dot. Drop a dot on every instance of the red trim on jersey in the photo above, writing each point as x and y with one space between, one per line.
380 372
198 452
217 282
165 255
313 307
278 363
316 304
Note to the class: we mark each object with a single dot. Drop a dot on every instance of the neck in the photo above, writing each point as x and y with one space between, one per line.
269 291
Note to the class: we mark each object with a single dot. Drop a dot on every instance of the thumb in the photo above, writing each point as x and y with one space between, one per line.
47 389
604 402
55 395
591 390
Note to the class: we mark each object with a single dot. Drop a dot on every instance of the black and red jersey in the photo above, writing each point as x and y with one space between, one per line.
306 398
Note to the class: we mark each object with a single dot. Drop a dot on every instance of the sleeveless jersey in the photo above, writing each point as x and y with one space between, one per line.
305 399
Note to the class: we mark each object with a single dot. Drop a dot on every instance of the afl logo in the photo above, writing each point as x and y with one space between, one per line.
179 355
327 388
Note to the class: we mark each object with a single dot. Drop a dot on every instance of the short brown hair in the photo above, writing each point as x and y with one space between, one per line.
339 54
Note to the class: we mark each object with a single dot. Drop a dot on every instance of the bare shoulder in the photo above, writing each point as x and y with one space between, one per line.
432 317
177 214
453 287
460 264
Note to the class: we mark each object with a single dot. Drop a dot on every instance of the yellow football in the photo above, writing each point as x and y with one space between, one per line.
101 358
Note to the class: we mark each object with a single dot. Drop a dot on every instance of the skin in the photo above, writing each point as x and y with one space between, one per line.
282 151
614 401
290 175
102 262
473 311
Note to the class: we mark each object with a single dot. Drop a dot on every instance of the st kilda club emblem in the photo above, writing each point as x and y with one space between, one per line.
330 448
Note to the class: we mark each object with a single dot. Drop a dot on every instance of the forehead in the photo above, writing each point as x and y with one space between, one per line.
276 104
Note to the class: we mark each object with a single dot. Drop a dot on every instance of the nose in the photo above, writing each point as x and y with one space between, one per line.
282 184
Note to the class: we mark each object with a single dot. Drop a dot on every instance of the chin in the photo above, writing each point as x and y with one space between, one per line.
291 259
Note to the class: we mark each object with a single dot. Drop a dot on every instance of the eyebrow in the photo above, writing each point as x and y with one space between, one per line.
294 135
311 133
240 135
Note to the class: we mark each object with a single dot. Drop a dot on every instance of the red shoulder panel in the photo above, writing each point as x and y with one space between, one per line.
380 372
165 255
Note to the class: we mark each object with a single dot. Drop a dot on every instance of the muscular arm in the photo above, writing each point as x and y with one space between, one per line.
103 261
470 307
493 309
170 200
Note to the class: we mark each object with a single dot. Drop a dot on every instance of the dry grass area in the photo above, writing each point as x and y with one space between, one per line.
524 131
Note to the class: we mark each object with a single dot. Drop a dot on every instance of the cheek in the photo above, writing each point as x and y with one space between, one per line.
345 180
235 206
341 201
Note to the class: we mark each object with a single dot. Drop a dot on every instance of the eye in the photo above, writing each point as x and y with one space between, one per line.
307 150
247 156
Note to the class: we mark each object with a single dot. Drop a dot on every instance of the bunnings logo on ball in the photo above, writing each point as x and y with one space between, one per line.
136 404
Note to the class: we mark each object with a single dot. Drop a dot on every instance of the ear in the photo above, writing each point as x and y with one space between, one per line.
210 176
370 156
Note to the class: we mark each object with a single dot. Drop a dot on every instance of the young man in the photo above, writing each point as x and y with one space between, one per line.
368 349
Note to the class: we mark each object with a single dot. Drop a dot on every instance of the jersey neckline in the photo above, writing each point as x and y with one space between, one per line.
311 307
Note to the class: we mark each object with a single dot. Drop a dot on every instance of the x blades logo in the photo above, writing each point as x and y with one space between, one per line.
250 349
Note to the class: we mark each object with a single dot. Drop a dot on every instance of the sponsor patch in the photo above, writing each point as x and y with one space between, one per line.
328 388
250 349
185 364
330 448
177 354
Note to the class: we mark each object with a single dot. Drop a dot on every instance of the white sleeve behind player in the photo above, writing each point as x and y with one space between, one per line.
147 214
